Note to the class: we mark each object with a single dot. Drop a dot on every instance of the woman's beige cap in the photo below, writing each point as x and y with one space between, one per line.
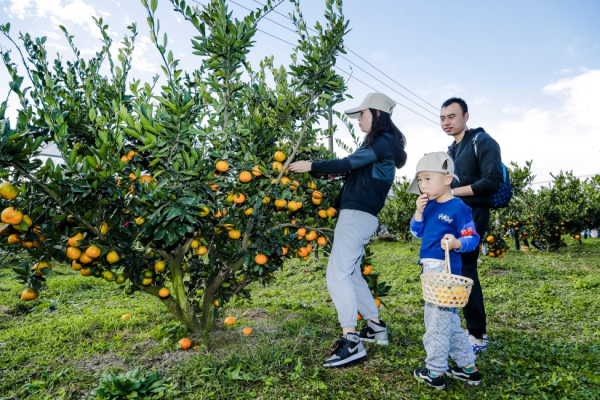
378 101
438 161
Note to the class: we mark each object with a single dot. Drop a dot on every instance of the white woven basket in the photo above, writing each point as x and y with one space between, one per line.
445 289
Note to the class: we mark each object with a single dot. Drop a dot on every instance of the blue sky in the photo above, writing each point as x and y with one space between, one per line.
530 71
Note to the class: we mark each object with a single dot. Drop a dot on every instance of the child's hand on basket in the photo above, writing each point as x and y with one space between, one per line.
451 241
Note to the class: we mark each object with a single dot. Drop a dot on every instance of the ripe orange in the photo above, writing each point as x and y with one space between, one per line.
235 234
185 343
284 250
239 198
492 254
316 202
131 153
367 270
277 166
124 159
322 241
501 256
147 281
266 200
104 228
140 221
112 257
331 212
305 258
280 203
132 177
201 250
358 318
490 239
38 267
285 180
11 217
260 259
29 294
317 195
216 303
229 321
294 185
86 271
8 191
312 185
159 266
322 213
125 316
256 171
76 266
377 302
146 178
247 331
249 211
245 176
84 259
213 186
293 206
164 293
14 239
73 253
195 244
301 232
279 156
73 241
310 236
222 166
303 252
93 252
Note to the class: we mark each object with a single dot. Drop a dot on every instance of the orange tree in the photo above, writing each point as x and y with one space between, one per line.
180 192
399 210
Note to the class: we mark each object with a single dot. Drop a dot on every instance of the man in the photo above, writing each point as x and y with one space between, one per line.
478 166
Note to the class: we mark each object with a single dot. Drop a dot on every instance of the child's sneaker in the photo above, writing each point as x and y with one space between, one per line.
347 349
472 378
422 374
479 345
374 332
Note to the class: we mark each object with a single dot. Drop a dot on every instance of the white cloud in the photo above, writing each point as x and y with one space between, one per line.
565 137
59 12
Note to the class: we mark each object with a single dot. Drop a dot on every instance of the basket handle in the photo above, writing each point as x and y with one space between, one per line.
448 269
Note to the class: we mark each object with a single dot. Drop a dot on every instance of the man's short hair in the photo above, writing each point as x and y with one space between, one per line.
459 101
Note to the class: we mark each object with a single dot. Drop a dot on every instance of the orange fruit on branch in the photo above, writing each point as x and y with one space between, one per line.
14 239
163 293
29 294
112 257
322 241
93 251
317 195
245 177
76 266
377 302
367 270
84 259
8 191
73 253
239 198
279 156
39 266
310 236
301 232
260 259
322 213
74 241
490 239
277 166
201 250
331 212
256 171
235 234
11 216
222 166
280 203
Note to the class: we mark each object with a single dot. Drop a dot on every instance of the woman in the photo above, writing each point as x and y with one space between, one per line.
371 174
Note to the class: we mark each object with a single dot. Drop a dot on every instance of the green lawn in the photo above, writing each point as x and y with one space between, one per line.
543 313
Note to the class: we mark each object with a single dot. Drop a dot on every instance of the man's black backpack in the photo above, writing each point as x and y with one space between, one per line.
501 198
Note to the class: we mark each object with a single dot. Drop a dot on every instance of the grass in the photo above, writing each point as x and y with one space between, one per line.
543 316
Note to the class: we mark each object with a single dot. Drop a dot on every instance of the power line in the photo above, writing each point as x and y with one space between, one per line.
357 55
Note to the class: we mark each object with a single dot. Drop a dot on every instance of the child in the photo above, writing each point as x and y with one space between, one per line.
440 219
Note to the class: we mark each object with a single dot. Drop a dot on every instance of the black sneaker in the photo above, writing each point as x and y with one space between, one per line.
347 349
374 332
422 374
473 378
